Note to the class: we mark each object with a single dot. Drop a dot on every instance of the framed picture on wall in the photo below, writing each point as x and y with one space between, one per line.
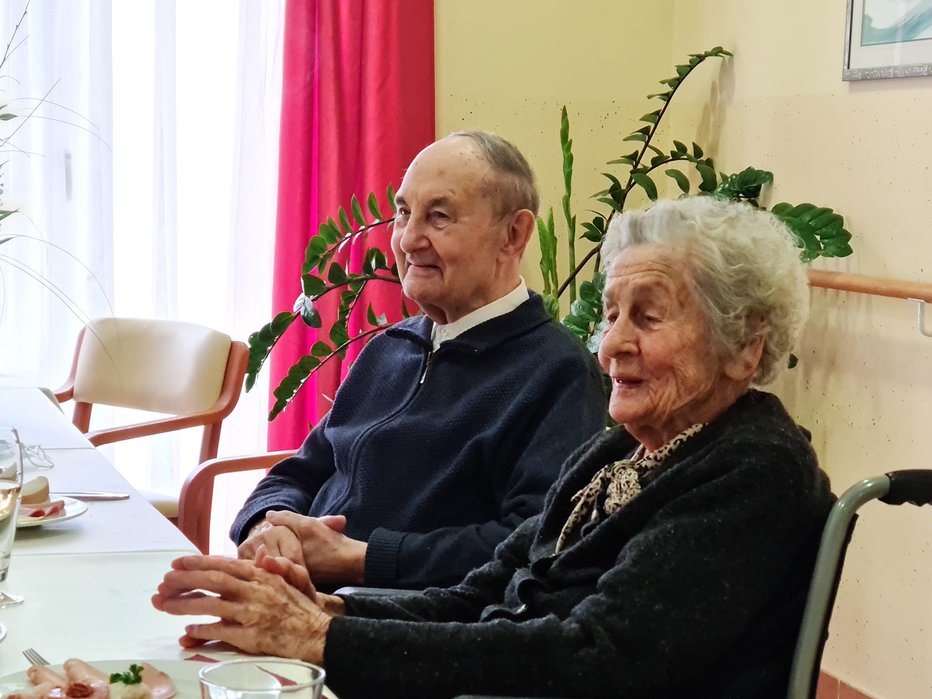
888 39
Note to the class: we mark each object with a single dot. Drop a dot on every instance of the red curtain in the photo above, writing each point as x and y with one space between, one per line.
357 106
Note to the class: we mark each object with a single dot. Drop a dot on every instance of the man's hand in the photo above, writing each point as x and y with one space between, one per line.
259 611
329 556
278 541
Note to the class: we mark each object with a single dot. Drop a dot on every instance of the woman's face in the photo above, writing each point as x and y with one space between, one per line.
656 348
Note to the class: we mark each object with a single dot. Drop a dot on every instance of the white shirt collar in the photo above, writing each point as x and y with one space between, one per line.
507 303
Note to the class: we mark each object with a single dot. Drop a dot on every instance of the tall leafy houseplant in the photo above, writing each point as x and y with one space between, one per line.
819 232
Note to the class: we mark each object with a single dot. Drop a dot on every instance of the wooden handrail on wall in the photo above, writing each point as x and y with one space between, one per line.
863 284
920 292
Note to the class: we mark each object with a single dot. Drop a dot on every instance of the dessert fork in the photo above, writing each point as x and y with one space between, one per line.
32 655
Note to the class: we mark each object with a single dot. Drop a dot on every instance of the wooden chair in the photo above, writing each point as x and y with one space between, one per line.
195 503
190 372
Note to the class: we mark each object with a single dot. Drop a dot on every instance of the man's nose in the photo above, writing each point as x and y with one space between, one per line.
413 236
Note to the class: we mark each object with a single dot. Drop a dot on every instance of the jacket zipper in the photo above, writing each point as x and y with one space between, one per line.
430 356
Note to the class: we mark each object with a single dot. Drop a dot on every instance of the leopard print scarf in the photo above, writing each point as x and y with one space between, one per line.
615 485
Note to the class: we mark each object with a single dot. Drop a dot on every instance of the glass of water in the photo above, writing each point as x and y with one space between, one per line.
261 678
11 485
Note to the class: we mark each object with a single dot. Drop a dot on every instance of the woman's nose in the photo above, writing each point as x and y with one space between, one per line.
619 338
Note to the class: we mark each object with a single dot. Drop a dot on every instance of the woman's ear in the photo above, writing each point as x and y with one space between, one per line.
743 365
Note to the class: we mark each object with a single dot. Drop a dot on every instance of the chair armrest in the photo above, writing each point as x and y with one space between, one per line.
64 393
374 591
147 429
195 501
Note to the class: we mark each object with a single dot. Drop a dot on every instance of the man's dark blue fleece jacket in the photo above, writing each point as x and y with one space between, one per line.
435 457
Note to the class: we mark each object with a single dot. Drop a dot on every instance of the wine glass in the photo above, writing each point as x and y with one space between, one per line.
11 485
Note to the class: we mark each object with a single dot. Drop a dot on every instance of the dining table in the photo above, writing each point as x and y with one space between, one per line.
87 578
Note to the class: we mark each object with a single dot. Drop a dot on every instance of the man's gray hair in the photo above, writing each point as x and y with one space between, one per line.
744 265
516 188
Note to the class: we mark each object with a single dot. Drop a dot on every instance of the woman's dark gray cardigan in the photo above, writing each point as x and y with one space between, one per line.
694 589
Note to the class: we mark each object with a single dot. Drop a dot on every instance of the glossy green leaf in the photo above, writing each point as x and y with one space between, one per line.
336 274
357 211
697 151
312 285
321 349
651 117
390 194
709 178
328 234
344 221
261 343
294 379
681 180
647 184
373 203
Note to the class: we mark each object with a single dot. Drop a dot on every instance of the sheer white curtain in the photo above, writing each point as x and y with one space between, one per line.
170 201
57 171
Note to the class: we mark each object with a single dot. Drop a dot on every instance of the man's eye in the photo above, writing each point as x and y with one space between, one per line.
403 212
439 216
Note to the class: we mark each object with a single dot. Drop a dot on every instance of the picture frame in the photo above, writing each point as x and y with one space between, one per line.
888 39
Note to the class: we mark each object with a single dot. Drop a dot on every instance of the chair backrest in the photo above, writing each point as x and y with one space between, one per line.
894 488
188 371
160 366
196 501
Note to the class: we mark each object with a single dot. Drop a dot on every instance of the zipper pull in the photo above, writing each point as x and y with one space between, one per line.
430 356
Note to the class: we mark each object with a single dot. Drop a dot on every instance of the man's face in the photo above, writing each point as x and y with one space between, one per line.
448 235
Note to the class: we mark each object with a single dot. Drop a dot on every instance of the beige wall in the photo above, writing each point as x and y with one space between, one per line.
864 386
509 66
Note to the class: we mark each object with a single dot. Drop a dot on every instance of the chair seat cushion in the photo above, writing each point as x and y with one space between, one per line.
166 504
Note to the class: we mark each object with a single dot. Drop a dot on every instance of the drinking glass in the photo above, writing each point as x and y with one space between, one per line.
11 484
261 678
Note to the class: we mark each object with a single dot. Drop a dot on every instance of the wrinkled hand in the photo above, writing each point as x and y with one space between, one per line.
259 611
294 574
278 541
329 556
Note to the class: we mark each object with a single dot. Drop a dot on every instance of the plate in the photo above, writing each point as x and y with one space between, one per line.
182 672
73 508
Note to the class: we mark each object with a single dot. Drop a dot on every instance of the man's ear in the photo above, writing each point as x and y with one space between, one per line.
519 232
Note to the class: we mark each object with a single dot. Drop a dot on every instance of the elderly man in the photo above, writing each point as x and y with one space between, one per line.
451 426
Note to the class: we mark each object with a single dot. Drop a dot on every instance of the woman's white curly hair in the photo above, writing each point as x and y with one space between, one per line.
745 268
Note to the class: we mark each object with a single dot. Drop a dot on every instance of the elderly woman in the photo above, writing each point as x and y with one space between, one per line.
673 554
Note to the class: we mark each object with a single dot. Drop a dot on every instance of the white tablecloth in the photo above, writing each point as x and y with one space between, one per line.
38 420
91 606
106 527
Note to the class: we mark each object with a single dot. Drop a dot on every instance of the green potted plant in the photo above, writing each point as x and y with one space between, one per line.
819 231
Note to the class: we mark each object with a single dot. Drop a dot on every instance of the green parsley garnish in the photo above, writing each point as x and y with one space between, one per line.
134 676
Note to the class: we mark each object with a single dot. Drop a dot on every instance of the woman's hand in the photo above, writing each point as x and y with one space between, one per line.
259 611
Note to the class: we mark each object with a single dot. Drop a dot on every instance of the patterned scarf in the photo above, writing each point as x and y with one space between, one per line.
615 485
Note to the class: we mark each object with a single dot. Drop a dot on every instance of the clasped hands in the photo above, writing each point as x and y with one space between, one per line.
267 605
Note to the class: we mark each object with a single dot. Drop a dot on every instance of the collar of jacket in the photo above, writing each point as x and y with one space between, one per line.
484 336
